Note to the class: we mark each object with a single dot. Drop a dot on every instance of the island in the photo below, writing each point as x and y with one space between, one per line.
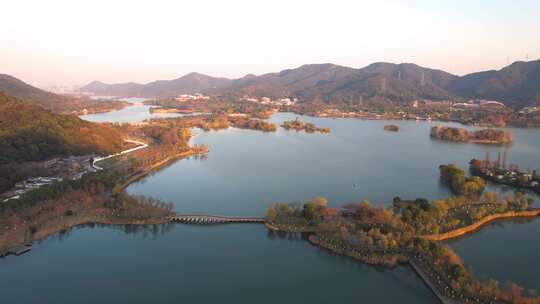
484 136
455 178
242 122
299 125
393 128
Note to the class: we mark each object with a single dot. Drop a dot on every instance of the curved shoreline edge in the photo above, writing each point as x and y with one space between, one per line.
95 218
486 220
118 188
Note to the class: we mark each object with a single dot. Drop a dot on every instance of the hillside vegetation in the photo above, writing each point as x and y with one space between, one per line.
30 133
516 85
17 88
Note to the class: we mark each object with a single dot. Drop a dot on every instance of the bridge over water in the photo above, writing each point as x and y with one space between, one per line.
213 219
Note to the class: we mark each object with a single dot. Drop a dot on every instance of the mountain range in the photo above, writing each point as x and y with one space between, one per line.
517 84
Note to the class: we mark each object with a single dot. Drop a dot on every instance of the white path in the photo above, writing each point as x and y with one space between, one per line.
141 144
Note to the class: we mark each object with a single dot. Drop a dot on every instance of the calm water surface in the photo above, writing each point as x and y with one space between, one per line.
244 172
135 113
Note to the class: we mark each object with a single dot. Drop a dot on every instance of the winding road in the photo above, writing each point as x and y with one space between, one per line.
141 144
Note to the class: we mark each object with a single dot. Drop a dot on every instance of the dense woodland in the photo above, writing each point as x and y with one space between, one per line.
29 134
455 178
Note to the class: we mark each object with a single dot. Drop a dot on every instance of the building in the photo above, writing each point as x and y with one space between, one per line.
529 110
466 105
266 100
195 97
491 104
251 99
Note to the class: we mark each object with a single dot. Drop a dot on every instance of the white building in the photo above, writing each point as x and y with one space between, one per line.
195 97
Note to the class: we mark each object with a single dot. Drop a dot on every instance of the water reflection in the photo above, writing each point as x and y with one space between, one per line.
145 231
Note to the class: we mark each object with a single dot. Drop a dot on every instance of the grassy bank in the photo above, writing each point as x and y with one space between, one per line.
133 178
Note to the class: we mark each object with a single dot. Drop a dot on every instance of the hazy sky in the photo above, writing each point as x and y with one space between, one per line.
65 42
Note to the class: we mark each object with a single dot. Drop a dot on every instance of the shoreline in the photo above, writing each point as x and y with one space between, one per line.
133 178
277 228
386 260
478 225
93 217
427 281
97 216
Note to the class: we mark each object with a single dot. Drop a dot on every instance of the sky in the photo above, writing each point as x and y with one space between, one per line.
72 42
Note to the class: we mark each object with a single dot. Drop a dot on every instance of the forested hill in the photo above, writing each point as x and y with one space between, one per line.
517 84
190 83
19 89
31 133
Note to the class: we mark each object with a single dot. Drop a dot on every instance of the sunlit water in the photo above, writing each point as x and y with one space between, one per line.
135 113
244 172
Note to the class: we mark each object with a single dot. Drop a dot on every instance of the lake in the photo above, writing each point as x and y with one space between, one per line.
244 172
138 112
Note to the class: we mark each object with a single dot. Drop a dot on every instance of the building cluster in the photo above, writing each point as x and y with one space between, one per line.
362 115
71 168
497 171
27 185
529 110
195 97
269 101
473 103
480 103
64 90
431 103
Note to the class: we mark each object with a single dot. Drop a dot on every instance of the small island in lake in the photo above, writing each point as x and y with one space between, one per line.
484 136
299 125
393 128
252 124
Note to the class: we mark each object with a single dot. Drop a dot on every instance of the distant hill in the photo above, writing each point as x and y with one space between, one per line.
395 82
190 83
30 133
19 89
517 84
289 82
